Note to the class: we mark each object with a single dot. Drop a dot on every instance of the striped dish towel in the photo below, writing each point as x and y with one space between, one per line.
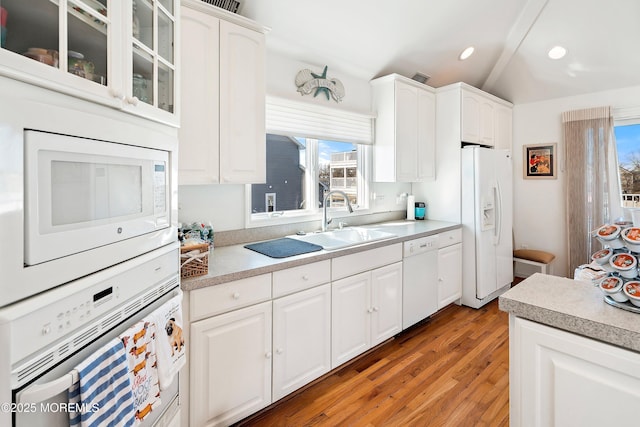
102 396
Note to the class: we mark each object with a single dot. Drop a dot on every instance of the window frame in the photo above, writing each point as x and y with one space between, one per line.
364 153
624 117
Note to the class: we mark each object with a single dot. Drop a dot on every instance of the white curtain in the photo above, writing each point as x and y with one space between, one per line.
592 183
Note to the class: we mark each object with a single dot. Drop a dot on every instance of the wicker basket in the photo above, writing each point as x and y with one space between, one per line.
194 260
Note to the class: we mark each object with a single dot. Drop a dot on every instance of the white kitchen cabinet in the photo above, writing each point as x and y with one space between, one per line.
366 310
449 267
485 119
386 302
230 365
477 118
301 339
120 54
222 133
563 379
503 127
404 149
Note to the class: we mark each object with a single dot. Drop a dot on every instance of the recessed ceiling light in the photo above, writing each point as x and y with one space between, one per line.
466 53
557 52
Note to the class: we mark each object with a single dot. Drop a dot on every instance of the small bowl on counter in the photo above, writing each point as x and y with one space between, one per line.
632 292
609 235
602 258
631 237
625 264
613 287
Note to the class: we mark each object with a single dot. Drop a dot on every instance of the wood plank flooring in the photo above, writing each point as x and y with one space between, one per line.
452 370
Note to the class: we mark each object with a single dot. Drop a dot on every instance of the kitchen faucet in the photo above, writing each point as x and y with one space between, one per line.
326 221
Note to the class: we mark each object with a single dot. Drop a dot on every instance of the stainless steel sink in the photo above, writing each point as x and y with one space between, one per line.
338 239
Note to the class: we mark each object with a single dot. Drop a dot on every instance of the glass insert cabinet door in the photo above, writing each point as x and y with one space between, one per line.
153 58
69 35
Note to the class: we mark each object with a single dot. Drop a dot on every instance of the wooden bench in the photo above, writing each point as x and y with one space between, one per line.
540 259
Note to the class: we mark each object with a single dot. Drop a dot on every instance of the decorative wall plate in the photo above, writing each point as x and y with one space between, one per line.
308 81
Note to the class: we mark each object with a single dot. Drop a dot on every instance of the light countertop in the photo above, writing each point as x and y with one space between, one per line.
574 306
235 262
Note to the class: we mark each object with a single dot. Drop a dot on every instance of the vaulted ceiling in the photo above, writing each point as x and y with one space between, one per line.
371 38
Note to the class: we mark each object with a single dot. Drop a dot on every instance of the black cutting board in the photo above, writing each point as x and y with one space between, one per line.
283 248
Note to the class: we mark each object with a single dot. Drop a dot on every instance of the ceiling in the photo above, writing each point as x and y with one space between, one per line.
371 38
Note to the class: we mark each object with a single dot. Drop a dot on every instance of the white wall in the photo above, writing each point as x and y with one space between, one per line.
224 205
539 205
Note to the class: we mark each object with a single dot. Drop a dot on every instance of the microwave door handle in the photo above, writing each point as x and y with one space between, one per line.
40 392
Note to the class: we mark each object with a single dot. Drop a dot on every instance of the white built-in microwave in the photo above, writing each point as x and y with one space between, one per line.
82 194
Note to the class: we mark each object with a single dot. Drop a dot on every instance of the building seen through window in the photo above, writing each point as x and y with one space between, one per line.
301 171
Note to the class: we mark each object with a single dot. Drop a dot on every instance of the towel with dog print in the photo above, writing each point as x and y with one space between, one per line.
170 346
139 343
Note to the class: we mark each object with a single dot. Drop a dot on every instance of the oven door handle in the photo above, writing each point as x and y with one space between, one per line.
40 392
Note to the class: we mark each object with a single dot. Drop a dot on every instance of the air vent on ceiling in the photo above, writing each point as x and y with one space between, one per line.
230 5
419 77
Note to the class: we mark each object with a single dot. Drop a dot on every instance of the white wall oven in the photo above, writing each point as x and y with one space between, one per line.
48 335
82 194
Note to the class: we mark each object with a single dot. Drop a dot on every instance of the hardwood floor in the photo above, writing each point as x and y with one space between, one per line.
452 370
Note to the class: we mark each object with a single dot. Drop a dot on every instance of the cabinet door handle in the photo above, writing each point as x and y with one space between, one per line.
279 351
370 310
439 279
375 309
305 277
236 295
267 355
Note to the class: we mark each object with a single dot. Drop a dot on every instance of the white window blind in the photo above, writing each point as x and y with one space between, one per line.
291 118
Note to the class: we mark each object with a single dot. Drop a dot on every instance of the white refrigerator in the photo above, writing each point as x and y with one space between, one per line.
487 211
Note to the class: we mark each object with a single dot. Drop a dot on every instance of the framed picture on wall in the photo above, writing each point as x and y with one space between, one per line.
540 161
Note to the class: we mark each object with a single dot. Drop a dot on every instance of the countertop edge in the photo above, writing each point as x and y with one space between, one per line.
589 316
588 328
272 264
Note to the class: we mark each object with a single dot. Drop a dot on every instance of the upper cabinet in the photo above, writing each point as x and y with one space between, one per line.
120 54
222 133
404 149
485 119
150 67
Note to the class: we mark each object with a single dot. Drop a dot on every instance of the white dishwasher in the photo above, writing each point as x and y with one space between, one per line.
419 280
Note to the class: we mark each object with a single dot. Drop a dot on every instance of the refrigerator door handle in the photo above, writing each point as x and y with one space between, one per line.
498 229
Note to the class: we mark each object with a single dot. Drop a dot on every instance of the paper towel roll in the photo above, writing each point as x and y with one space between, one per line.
411 207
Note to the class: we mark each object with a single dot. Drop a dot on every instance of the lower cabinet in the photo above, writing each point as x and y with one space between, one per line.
449 274
366 310
230 370
301 339
563 379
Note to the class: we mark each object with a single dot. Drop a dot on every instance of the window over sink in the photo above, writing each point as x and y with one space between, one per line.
310 151
301 171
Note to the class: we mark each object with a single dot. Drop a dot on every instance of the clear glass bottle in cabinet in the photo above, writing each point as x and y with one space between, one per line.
152 71
114 52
